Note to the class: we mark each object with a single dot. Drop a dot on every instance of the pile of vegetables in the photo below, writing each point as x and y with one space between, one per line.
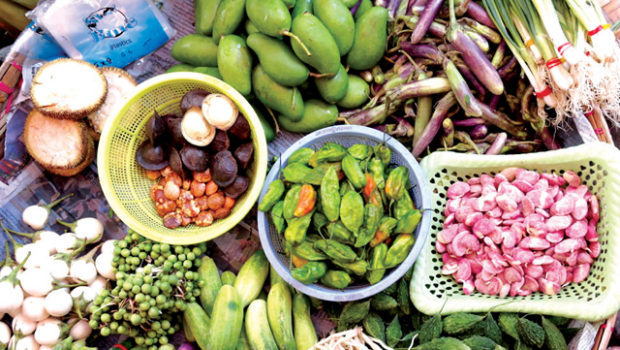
154 282
447 83
297 58
48 289
332 233
279 319
567 51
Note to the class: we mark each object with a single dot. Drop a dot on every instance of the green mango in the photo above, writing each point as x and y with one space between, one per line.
235 63
370 39
357 93
289 3
333 89
324 55
181 67
338 20
270 134
250 28
283 99
364 6
301 7
228 18
196 50
349 3
278 60
212 71
317 115
204 13
271 17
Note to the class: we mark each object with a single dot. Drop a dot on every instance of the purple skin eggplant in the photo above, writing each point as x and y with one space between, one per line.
508 68
499 55
402 129
494 102
475 59
436 29
426 18
498 144
430 131
478 13
423 51
521 146
375 115
469 77
479 131
461 90
465 138
548 139
419 88
502 121
488 33
469 122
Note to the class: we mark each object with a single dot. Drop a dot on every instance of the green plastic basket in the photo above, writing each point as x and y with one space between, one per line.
596 298
123 181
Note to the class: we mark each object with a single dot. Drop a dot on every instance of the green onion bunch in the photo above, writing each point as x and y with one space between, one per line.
154 281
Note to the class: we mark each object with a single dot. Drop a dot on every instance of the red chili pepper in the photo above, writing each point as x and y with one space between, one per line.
307 200
370 186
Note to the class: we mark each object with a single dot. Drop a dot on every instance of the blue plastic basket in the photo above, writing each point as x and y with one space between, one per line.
348 135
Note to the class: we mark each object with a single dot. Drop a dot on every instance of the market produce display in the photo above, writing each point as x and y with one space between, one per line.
301 79
447 83
177 147
519 232
333 234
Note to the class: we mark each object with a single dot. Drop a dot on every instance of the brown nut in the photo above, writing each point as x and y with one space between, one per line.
172 220
221 213
197 188
174 177
203 176
187 184
215 201
211 188
153 189
159 196
191 208
229 202
202 202
185 220
153 174
166 171
205 218
165 207
172 190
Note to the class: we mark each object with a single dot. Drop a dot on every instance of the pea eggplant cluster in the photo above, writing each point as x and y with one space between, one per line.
289 55
345 213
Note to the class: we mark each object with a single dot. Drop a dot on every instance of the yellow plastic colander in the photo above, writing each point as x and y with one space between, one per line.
123 181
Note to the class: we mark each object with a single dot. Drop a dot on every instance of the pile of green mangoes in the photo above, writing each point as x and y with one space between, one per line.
296 57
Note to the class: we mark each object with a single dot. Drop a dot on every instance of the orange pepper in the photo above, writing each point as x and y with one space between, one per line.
306 202
370 186
379 237
299 262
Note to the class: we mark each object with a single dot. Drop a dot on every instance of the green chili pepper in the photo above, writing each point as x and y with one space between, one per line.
336 250
330 194
296 230
384 153
275 191
372 217
336 279
386 226
296 173
345 187
290 201
301 156
395 185
330 152
339 232
376 269
360 151
352 210
399 250
408 222
377 171
358 267
277 218
353 171
309 273
306 250
316 175
403 205
319 221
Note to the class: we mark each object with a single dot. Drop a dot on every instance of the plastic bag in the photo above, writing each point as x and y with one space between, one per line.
104 32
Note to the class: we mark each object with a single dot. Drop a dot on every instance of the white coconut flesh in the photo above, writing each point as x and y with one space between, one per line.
220 111
120 87
68 86
195 129
55 142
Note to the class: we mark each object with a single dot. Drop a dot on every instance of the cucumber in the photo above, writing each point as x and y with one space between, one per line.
188 332
228 313
243 343
279 308
198 322
251 277
212 283
305 335
274 277
257 327
228 277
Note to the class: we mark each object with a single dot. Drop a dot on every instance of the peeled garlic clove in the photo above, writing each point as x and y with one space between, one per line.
196 130
220 111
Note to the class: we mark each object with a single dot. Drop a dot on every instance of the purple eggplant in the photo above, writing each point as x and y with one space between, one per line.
477 12
370 116
498 144
436 29
479 131
469 122
419 88
499 55
470 77
430 131
461 90
508 68
502 121
426 18
421 50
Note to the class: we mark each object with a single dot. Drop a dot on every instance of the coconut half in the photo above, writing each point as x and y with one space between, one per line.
56 143
90 156
195 129
120 87
68 89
